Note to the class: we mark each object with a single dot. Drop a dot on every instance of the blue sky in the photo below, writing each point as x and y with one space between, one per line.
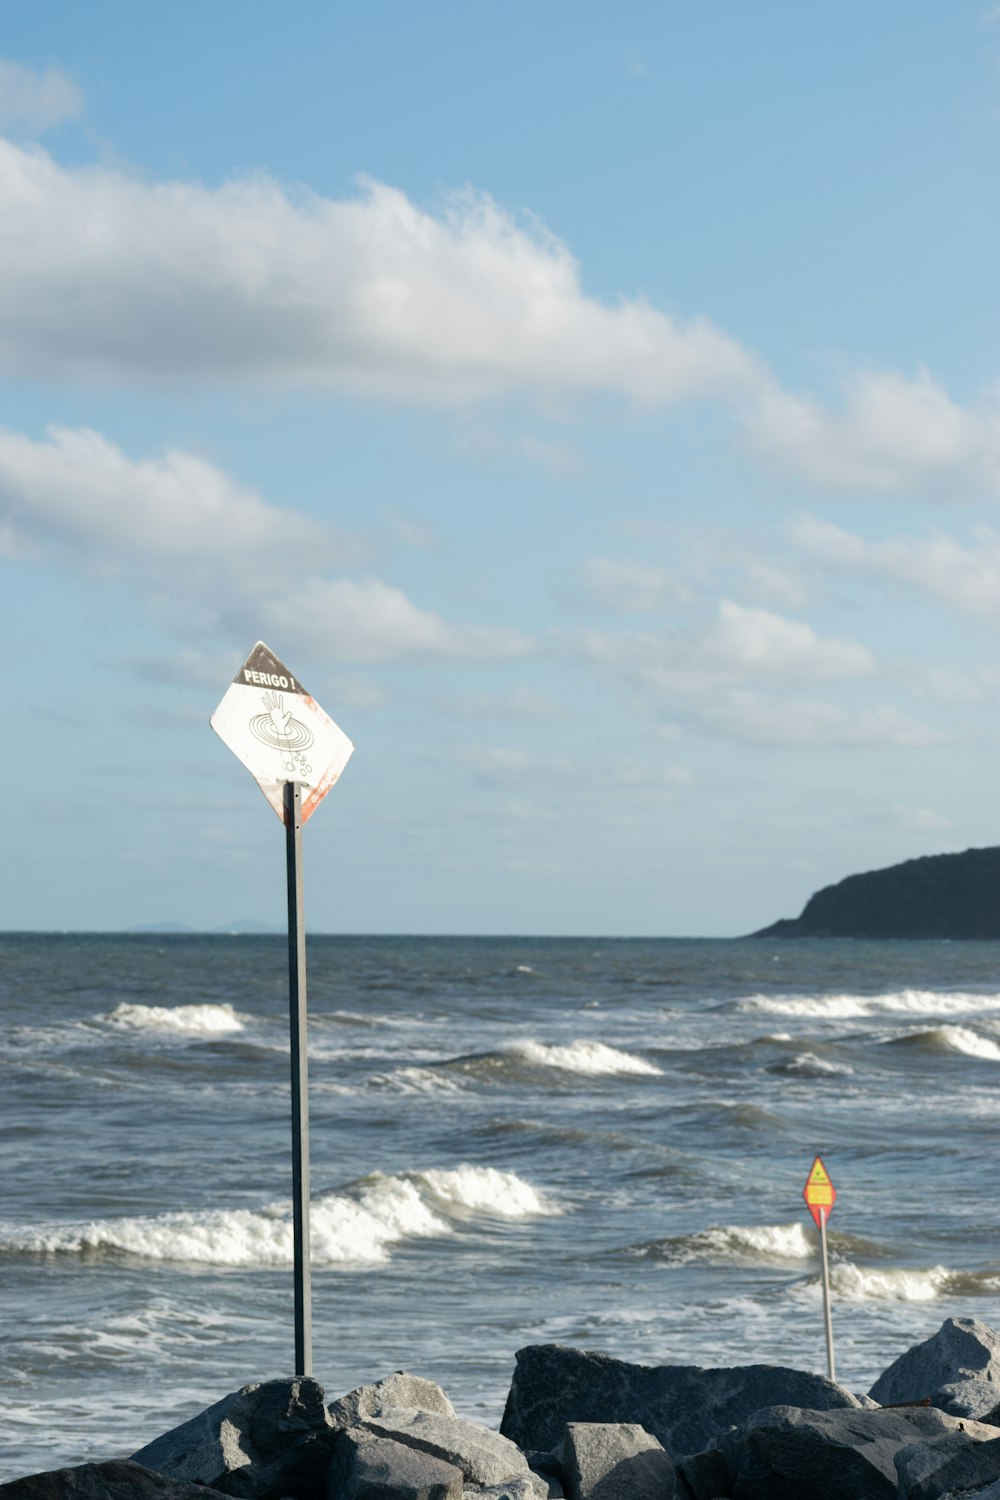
598 408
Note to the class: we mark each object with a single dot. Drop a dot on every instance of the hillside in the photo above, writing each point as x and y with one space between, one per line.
936 896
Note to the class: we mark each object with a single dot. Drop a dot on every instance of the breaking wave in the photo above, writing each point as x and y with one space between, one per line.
418 1081
580 1057
843 1007
181 1020
808 1065
484 1190
961 1039
358 1226
722 1243
902 1284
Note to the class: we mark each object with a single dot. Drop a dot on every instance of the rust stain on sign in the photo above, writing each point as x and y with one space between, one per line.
280 733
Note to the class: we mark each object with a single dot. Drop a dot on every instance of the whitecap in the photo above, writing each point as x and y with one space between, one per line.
823 1007
809 1065
848 1006
580 1057
358 1226
417 1080
963 1039
862 1283
187 1020
485 1189
722 1243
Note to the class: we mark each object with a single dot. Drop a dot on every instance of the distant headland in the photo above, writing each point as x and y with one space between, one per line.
937 896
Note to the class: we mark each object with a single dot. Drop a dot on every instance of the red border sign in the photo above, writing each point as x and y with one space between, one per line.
819 1193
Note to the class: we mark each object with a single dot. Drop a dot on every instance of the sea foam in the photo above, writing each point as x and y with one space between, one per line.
186 1020
485 1190
848 1006
863 1283
723 1243
580 1057
809 1065
963 1039
355 1227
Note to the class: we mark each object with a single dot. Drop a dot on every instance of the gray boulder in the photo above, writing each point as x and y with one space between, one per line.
531 1488
120 1479
706 1475
963 1349
615 1461
547 1486
682 1406
484 1457
365 1467
955 1462
967 1398
784 1453
261 1443
400 1389
547 1472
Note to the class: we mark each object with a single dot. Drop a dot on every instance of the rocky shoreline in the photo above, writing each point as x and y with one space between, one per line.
588 1427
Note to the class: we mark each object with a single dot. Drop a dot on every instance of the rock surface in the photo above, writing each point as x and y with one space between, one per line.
786 1453
483 1456
963 1350
955 1462
261 1442
365 1467
615 1461
515 1489
706 1475
400 1389
967 1398
119 1479
683 1406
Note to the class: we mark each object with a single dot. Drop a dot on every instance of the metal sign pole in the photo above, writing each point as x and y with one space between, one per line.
826 1294
300 1078
277 730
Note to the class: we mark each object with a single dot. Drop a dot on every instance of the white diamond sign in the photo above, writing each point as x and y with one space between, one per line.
280 733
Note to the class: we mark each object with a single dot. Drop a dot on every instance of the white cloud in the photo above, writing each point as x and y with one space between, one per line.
103 274
36 100
355 692
741 644
708 679
78 494
367 620
754 642
563 774
965 578
920 819
110 277
519 704
891 434
632 588
774 584
958 686
786 723
210 554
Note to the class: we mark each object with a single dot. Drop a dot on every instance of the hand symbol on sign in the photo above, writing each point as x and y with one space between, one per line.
280 716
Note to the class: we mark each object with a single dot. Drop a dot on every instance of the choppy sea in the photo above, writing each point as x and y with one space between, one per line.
597 1142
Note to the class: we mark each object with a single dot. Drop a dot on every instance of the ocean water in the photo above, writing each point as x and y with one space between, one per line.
596 1142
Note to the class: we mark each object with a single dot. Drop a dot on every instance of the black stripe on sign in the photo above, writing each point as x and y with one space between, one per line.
263 669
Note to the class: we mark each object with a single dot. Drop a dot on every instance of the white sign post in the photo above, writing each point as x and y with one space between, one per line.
295 753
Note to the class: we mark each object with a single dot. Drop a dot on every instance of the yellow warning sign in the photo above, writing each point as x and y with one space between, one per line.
819 1192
